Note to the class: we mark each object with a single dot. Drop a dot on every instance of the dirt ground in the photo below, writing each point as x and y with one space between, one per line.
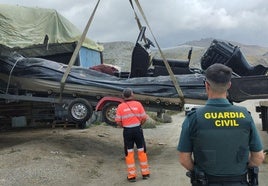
94 156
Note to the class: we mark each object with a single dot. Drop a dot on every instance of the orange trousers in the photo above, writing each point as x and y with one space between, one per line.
130 162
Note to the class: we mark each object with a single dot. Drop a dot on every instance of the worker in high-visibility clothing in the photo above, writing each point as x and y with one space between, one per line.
130 115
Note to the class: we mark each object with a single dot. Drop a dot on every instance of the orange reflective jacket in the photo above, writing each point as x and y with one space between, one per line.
130 114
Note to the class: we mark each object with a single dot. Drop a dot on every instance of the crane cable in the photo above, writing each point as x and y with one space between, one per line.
138 21
76 51
171 74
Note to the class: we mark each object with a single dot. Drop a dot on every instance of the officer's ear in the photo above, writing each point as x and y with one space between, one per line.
229 85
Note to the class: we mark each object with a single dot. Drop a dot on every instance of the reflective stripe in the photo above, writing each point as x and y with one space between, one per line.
132 114
128 116
144 163
130 165
130 109
132 172
132 125
141 149
130 150
117 117
145 170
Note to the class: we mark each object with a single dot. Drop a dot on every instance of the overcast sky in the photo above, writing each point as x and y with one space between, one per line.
173 22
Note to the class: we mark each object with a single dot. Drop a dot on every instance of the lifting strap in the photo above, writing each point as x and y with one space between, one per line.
136 17
76 51
138 21
171 74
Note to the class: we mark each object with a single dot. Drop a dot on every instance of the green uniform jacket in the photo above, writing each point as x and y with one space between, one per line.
220 135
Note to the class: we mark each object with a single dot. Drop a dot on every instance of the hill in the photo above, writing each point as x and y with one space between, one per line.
119 53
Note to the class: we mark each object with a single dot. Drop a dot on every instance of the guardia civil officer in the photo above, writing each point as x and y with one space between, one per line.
219 142
130 115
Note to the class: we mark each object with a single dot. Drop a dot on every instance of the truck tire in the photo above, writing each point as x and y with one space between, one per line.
109 112
79 111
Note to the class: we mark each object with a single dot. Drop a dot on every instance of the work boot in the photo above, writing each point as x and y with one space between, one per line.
145 177
131 179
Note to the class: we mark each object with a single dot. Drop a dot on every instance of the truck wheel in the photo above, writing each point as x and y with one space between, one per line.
109 112
79 111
